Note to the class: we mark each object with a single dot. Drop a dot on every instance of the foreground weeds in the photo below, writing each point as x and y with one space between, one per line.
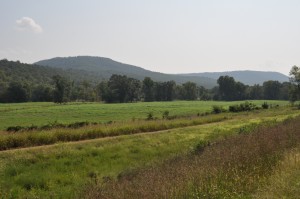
235 167
285 182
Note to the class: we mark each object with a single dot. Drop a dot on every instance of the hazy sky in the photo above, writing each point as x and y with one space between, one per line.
169 36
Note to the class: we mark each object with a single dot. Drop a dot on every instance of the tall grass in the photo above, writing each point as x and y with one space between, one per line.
232 168
9 140
284 183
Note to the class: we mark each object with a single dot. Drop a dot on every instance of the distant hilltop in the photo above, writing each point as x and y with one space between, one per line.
247 77
105 67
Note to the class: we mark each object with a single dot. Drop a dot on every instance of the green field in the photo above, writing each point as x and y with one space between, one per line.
26 114
65 169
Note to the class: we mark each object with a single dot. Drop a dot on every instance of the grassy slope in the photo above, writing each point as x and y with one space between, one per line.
26 114
60 169
235 167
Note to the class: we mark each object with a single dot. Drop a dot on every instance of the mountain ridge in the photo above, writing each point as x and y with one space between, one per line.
248 77
103 68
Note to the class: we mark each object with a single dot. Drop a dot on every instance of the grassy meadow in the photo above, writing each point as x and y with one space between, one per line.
42 113
90 161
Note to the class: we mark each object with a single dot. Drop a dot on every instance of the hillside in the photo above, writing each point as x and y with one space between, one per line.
105 67
247 77
17 71
36 74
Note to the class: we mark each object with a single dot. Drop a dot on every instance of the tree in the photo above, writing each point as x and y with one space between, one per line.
255 92
169 90
204 93
189 91
226 88
240 91
118 85
284 91
86 85
295 83
120 89
148 89
134 90
16 93
164 91
271 90
104 92
42 93
62 89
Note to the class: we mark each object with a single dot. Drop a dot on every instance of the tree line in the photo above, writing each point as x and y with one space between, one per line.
121 89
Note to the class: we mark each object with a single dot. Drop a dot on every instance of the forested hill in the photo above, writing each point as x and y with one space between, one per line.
11 71
246 77
36 74
105 67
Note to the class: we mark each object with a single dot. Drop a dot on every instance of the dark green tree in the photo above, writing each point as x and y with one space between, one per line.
226 88
42 93
255 92
295 83
119 86
189 91
271 90
240 91
134 90
62 89
104 93
16 93
148 89
169 90
284 91
164 91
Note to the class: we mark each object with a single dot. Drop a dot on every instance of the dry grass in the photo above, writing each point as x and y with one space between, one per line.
285 182
232 168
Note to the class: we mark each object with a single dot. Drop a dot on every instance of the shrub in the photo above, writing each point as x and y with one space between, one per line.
234 108
14 128
165 115
265 105
199 148
217 109
246 106
150 116
78 124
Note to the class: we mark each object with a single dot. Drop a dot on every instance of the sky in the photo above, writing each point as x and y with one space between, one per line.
170 36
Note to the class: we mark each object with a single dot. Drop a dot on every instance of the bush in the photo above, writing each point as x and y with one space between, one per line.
78 124
265 105
234 108
150 116
200 146
165 115
14 128
246 106
217 109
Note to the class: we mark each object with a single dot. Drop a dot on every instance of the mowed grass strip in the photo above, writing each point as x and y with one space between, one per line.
232 168
43 113
61 170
